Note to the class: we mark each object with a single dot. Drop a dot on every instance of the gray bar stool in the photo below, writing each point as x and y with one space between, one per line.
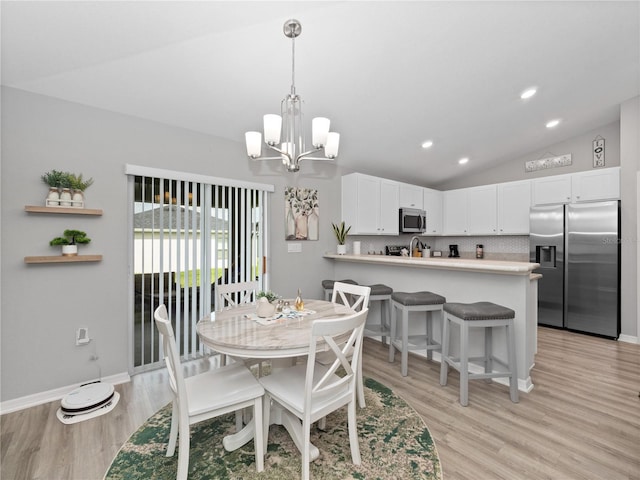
327 285
427 302
485 315
380 293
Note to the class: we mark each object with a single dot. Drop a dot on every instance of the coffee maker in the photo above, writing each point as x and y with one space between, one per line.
453 251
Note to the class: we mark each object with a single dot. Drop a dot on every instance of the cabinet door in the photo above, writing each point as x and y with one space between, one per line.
388 207
596 185
548 190
514 203
482 213
433 207
454 212
411 196
368 205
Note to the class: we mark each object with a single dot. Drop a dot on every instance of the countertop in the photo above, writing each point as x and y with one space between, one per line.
443 263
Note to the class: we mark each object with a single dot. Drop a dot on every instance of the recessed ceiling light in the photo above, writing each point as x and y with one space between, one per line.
553 123
427 144
528 93
462 161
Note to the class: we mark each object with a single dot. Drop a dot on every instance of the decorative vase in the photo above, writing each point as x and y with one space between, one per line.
302 231
313 222
290 225
77 199
69 250
65 198
264 308
53 197
342 249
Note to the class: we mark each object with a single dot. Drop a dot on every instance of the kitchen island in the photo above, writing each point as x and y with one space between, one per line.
510 284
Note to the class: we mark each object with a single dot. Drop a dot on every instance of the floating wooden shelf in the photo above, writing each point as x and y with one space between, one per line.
64 210
63 259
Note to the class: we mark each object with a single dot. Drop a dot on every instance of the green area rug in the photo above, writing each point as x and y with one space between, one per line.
394 443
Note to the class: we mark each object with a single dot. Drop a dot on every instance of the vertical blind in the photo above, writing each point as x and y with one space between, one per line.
188 233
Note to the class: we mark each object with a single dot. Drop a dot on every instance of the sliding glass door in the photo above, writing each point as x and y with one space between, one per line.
187 236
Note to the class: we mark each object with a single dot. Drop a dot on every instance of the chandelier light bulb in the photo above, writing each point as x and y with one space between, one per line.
272 129
319 131
333 142
254 144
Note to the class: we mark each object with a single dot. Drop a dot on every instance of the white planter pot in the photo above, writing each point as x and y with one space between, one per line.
69 250
342 249
264 308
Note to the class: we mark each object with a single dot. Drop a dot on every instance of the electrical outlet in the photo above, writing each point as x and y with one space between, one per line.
82 336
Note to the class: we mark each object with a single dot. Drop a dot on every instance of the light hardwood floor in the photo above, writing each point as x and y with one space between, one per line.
581 421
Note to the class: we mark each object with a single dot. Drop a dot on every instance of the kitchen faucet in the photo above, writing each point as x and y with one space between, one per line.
415 237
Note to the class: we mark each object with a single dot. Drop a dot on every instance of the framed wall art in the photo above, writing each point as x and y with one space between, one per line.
302 213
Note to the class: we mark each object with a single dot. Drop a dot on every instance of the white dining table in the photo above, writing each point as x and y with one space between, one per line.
238 332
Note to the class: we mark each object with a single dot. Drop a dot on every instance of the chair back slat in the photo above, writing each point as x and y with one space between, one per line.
171 356
233 294
354 296
329 335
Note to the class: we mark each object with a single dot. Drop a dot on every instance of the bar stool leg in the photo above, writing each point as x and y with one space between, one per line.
404 369
444 365
513 366
488 350
464 363
429 340
392 334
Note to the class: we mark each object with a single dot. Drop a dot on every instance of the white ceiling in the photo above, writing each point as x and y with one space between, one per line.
389 74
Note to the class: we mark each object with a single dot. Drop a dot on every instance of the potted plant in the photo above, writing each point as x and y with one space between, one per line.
79 185
56 179
70 241
265 308
341 233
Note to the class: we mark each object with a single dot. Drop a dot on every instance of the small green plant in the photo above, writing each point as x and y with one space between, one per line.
270 296
78 183
56 178
341 232
71 237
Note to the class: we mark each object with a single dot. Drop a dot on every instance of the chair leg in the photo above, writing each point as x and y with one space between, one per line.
360 386
513 365
429 341
353 433
488 351
464 363
404 368
173 435
306 454
444 353
266 413
258 436
392 334
183 451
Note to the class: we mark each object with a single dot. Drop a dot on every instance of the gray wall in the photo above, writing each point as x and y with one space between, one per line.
581 158
43 305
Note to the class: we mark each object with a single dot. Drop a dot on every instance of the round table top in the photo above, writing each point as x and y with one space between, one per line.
237 331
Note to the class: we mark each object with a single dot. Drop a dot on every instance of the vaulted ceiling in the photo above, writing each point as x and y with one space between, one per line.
389 75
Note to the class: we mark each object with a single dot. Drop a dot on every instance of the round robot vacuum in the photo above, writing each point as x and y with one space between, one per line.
87 398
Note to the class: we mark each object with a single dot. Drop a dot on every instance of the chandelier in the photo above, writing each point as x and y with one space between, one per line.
289 126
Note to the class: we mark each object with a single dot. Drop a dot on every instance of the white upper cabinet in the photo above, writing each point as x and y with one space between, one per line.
370 204
514 203
555 189
454 212
433 207
411 196
596 185
482 210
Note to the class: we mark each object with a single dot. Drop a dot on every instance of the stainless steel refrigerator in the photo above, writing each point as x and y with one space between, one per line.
578 249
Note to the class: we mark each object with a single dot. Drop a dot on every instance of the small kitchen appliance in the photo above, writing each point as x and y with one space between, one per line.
412 220
453 251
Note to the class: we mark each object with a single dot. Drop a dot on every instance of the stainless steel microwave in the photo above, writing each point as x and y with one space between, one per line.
413 220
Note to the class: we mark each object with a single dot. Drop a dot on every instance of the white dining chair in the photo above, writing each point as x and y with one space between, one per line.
233 294
311 391
357 298
207 395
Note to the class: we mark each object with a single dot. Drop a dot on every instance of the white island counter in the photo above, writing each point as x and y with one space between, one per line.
459 280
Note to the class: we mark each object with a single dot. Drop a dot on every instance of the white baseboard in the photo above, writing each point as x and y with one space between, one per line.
52 395
628 339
